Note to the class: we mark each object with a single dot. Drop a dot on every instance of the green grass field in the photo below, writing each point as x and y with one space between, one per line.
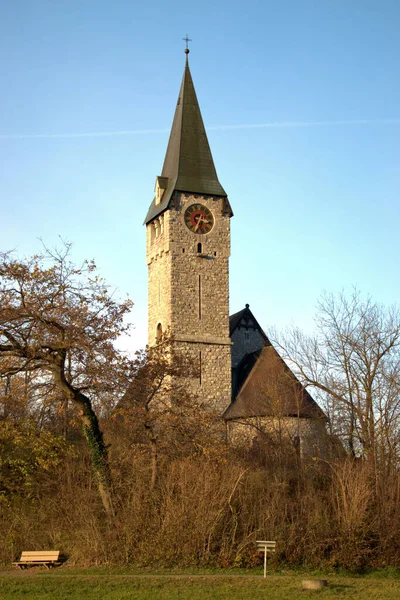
123 584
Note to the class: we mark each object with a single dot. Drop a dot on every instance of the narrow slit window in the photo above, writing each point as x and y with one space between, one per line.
199 247
159 332
200 365
199 296
297 445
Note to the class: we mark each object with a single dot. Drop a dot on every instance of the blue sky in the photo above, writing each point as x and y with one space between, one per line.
301 103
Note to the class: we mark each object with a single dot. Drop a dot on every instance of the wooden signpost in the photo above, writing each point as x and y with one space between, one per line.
265 546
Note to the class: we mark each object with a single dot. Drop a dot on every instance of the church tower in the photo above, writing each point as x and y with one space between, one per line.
188 248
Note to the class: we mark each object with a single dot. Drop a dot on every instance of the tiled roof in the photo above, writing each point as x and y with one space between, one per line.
188 163
267 387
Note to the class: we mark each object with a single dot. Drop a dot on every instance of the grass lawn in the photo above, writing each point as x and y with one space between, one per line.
123 584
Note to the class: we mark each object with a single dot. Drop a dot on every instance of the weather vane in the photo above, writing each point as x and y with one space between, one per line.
187 40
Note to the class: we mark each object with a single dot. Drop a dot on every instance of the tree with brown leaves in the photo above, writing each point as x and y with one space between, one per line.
60 321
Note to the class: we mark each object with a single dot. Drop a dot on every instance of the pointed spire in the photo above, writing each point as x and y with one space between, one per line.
188 164
188 159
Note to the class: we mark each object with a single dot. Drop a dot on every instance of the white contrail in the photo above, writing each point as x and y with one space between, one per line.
272 124
24 136
310 123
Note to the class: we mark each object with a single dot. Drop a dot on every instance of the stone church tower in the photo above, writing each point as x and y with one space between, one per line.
188 248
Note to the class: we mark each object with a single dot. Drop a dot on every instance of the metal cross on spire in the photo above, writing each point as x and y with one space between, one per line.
187 40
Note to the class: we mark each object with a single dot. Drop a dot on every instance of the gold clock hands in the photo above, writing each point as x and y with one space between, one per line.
198 223
198 219
201 220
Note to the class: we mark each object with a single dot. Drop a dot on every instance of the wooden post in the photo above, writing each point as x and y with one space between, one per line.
265 546
265 561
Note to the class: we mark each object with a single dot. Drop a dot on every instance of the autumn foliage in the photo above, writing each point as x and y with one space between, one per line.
110 459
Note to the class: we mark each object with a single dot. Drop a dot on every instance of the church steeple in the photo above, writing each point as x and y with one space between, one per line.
187 253
188 164
188 159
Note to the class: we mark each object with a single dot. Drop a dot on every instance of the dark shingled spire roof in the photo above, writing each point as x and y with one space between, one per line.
188 159
188 163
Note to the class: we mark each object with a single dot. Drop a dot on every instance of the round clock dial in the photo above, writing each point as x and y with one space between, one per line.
199 218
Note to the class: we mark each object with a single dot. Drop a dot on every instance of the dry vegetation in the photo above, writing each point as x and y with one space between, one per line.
152 482
206 509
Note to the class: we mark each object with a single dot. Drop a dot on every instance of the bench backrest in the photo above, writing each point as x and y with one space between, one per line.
40 556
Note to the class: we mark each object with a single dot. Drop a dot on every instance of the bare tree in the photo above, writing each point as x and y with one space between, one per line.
60 321
353 361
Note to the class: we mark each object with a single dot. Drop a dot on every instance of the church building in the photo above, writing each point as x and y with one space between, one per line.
187 250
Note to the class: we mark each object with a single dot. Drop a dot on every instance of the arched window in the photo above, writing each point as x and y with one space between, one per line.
199 247
159 332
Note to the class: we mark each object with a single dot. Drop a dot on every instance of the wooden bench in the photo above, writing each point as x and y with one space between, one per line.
46 558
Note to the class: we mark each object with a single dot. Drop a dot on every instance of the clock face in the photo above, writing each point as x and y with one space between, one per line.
199 218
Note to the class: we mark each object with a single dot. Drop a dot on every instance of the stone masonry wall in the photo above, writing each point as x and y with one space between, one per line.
213 373
189 291
159 260
311 434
